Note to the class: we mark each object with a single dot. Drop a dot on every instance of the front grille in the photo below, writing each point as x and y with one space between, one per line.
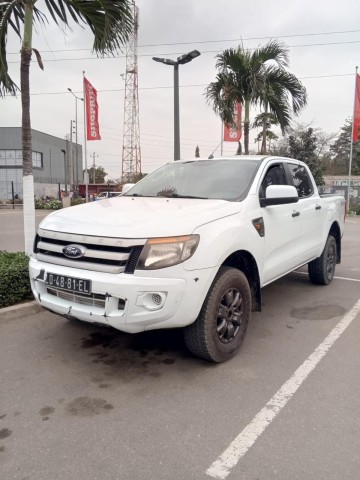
94 300
103 254
133 259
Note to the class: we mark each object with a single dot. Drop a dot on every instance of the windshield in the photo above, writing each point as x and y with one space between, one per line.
222 179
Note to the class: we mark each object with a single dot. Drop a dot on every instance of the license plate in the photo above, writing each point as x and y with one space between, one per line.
71 284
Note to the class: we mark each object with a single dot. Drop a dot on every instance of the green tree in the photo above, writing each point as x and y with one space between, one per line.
340 150
255 78
197 152
100 175
110 22
302 146
136 177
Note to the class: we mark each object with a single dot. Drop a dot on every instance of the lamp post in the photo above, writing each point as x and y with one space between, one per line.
76 134
186 58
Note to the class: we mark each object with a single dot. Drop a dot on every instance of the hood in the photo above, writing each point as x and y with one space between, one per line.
139 217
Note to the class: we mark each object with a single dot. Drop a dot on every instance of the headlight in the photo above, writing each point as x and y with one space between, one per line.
167 251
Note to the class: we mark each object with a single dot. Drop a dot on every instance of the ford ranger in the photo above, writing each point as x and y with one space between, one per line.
191 245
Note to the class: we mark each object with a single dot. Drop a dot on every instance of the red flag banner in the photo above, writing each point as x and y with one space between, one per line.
233 133
356 135
92 111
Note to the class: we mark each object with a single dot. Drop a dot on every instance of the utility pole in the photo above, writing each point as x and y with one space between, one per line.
70 157
76 176
74 157
94 166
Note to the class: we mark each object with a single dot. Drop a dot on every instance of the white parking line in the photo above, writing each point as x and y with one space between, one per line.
337 278
221 468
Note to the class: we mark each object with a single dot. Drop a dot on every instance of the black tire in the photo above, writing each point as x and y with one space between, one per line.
220 328
322 269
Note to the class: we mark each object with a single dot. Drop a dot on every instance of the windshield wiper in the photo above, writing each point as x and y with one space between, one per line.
177 195
133 195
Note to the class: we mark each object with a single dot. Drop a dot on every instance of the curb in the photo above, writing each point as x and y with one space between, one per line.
18 311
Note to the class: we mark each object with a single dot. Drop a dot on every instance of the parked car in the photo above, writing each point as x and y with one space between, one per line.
190 245
103 195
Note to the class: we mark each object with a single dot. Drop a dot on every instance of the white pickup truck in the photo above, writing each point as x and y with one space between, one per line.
190 245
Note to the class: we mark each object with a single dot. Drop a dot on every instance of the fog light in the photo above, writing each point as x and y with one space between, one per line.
156 298
152 300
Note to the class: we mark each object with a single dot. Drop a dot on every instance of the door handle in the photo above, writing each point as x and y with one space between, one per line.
318 207
295 214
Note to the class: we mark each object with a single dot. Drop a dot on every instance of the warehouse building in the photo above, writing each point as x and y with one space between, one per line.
57 164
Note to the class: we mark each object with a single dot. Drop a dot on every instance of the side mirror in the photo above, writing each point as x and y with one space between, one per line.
279 195
127 187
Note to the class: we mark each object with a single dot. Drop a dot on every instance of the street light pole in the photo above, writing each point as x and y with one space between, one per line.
176 114
186 58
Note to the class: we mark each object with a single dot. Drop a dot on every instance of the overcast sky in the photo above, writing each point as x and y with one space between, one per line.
324 44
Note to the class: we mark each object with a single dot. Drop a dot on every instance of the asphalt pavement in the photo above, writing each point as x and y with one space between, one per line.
79 401
12 228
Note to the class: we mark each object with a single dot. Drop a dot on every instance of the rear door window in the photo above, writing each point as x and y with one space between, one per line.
301 179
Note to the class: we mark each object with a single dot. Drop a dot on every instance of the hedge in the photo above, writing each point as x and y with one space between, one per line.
14 278
48 205
54 204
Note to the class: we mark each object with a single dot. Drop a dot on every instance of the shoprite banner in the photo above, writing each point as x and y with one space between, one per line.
92 112
232 133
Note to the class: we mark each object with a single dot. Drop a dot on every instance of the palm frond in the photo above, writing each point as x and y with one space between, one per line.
279 107
220 94
283 81
11 13
110 20
272 51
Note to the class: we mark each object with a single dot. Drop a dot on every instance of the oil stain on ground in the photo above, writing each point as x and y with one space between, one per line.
99 339
88 407
4 433
124 358
319 312
45 412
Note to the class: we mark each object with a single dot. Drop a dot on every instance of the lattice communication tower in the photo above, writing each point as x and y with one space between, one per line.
131 154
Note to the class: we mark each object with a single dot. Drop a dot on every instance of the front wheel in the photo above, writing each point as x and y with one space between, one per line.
220 328
322 269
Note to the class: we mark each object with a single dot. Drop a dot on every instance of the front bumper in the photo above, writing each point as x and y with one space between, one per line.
125 301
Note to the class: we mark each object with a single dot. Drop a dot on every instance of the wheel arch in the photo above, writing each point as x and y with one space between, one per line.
244 261
336 233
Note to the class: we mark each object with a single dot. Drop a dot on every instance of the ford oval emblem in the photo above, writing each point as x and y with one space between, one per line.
74 251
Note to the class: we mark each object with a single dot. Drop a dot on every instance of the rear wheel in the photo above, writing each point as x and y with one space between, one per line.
322 269
220 328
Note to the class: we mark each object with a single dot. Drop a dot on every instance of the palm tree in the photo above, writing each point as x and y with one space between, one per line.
110 22
265 121
280 86
253 78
